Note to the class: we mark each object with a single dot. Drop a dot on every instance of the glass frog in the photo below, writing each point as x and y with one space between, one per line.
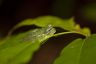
40 34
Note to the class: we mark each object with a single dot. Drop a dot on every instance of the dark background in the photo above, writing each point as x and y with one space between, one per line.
14 11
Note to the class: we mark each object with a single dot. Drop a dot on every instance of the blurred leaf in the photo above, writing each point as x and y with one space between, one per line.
19 49
85 31
63 8
79 52
89 12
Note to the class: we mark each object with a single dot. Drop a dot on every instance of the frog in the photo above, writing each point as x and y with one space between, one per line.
40 34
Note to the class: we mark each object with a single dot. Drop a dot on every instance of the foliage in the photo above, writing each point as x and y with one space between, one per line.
18 49
80 51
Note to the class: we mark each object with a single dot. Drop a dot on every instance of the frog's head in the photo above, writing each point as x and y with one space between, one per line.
46 32
49 30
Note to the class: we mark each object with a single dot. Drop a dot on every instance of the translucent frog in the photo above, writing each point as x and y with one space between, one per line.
40 34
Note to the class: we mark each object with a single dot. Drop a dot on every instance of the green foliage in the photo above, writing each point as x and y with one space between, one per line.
19 49
71 53
66 24
80 51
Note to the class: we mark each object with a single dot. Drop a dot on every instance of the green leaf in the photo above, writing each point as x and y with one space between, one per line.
79 52
66 24
85 31
19 49
71 53
89 51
